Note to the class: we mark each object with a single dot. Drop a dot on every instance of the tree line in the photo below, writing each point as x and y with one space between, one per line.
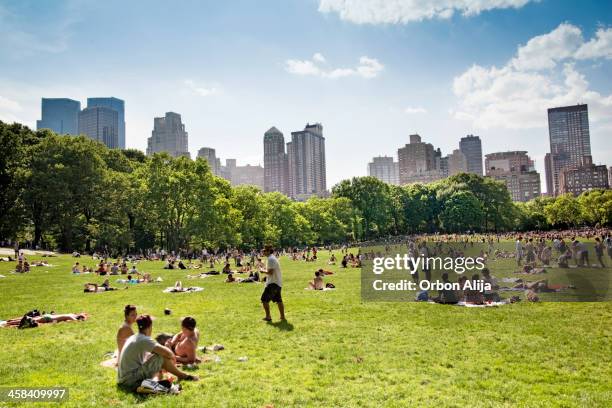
73 193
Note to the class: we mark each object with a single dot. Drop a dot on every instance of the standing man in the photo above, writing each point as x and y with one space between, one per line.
519 250
274 283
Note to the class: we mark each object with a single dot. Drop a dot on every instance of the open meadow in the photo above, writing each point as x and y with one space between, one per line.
334 350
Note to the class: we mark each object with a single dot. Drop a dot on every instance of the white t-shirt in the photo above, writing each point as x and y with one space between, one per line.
276 276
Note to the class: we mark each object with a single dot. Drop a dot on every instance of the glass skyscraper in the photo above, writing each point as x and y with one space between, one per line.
116 104
101 124
570 140
60 115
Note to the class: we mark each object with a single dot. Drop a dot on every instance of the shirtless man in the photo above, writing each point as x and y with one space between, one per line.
125 331
185 343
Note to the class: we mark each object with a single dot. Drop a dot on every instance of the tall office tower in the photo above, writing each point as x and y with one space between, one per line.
585 177
169 136
517 170
457 163
444 166
276 170
549 175
417 162
385 169
101 124
471 147
60 115
209 154
568 129
306 156
116 104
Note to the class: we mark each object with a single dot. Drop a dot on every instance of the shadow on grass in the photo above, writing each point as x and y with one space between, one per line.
283 325
140 398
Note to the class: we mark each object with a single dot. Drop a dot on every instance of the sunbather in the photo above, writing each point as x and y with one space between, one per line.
185 343
125 331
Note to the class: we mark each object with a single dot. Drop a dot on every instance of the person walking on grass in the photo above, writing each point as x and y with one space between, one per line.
142 358
274 284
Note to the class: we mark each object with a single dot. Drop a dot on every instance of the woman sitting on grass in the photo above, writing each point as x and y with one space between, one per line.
317 282
332 260
473 296
76 268
125 331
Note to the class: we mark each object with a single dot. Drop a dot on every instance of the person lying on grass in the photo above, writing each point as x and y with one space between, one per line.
185 343
94 287
142 358
125 331
230 278
47 318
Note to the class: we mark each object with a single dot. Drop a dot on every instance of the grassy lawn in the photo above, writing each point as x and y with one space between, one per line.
334 350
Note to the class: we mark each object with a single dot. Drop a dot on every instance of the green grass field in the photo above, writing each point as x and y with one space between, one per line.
334 350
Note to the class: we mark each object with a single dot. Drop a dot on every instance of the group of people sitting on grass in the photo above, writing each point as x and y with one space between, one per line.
142 359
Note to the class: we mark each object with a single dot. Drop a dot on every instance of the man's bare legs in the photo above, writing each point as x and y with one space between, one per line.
281 310
266 306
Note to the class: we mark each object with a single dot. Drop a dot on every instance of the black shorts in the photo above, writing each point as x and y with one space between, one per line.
272 292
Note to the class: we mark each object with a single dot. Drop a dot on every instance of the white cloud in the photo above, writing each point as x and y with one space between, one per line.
199 89
414 110
517 95
318 57
598 47
367 68
405 11
543 51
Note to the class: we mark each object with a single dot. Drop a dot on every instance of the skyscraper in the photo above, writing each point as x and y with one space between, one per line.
101 124
116 104
516 169
418 162
457 162
471 147
306 156
384 169
209 154
570 141
169 136
276 169
60 115
550 190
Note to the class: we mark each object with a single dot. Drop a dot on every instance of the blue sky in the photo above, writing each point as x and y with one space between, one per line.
372 71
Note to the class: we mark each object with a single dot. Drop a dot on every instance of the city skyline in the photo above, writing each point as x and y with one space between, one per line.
453 71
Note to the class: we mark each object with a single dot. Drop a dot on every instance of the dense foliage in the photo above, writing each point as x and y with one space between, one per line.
72 193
